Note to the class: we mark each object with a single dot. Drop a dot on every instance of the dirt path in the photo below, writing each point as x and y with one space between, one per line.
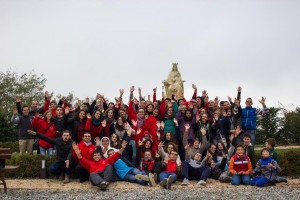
57 185
281 147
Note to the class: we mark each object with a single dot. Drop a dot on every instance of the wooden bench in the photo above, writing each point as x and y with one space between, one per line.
4 155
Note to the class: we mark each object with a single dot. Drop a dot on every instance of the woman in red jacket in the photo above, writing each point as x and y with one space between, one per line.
46 127
93 124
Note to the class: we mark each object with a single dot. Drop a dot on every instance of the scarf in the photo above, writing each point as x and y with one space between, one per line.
96 122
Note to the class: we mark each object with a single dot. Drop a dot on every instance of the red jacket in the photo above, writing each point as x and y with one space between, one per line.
40 124
99 166
171 167
86 151
94 130
238 164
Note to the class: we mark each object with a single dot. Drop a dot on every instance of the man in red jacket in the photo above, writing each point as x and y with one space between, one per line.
101 170
86 148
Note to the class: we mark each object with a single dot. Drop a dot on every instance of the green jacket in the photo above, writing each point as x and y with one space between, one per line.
274 155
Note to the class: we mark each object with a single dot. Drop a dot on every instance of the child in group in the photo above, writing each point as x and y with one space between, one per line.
270 144
268 168
240 167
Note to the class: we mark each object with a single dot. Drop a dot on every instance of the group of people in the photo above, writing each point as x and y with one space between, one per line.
149 142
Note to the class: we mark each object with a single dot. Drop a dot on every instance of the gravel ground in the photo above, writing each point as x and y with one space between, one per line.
53 189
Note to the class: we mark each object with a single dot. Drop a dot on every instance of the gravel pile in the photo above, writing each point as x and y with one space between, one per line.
190 193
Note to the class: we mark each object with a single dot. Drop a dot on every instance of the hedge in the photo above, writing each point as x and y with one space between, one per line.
289 161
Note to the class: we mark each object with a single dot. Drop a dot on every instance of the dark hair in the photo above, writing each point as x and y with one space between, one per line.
86 132
76 117
247 135
264 149
67 131
97 151
53 102
110 150
239 145
173 144
271 141
25 106
223 145
59 106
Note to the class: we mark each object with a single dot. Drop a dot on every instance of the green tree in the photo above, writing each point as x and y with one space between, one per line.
291 129
29 86
270 126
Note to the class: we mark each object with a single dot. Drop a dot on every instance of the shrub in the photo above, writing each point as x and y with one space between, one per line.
14 146
29 165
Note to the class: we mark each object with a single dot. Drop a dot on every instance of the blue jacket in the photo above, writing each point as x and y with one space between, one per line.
249 118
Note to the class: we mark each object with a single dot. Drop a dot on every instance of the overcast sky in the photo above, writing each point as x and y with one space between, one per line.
92 46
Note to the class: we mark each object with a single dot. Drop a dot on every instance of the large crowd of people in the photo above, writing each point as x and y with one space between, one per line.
149 142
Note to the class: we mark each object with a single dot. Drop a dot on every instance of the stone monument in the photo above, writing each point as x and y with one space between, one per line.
174 84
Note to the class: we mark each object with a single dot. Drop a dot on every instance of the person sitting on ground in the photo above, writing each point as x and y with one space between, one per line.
194 168
165 152
190 151
127 172
63 153
270 144
240 167
101 170
171 169
268 168
217 172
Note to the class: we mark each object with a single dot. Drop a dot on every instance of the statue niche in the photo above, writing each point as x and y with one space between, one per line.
174 84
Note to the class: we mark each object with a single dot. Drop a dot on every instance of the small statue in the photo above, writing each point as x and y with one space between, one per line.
174 83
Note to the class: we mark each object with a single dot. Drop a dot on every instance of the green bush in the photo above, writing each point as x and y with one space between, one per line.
14 146
289 161
29 165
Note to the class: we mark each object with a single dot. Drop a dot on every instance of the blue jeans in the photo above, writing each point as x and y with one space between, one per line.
130 176
48 151
192 173
164 175
59 167
259 181
237 179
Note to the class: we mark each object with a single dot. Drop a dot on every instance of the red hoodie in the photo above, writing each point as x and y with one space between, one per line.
99 166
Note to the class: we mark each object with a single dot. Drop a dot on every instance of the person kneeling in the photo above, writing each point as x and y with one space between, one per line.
240 167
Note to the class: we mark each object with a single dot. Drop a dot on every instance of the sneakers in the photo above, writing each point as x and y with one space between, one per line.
202 183
185 181
142 177
103 185
164 182
169 182
152 180
67 179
